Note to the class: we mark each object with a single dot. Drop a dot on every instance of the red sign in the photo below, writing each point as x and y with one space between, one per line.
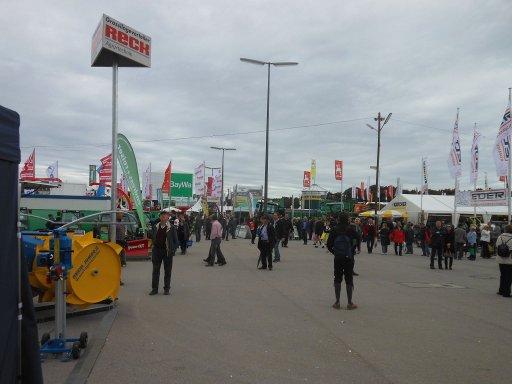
209 186
390 192
137 248
28 171
307 179
338 169
362 190
106 169
166 185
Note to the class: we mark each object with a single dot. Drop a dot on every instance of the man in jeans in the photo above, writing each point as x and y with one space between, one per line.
216 239
460 239
437 245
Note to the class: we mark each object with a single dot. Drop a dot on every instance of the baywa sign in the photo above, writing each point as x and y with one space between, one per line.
181 184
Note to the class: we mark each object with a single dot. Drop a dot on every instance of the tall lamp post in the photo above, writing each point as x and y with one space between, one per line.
222 183
268 64
378 119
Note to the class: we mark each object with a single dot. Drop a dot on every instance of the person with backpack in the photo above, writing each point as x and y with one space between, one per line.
503 251
339 244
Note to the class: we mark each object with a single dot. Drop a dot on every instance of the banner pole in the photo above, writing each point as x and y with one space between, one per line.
509 165
455 202
113 183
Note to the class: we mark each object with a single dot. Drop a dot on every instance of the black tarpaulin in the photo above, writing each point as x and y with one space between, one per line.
9 282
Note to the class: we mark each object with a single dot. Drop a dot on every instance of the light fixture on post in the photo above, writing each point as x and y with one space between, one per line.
377 170
268 64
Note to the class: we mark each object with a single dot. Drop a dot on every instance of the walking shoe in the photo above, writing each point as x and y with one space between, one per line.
221 264
153 292
432 267
336 306
166 292
269 268
208 265
262 268
351 306
355 274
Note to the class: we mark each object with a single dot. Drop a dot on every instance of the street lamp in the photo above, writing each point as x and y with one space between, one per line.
378 130
222 183
275 64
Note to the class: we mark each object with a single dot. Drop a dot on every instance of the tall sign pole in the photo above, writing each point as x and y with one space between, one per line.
115 45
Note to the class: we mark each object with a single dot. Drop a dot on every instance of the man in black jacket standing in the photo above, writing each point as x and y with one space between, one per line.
339 244
165 242
267 239
437 245
279 226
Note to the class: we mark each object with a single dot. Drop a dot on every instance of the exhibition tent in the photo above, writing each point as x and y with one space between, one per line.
440 205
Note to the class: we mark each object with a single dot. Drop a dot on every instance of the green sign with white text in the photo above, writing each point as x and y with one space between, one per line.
181 184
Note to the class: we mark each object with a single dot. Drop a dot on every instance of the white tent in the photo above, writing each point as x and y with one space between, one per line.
197 207
439 205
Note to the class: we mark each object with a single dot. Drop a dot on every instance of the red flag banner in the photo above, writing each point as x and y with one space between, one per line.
362 190
338 169
390 192
166 185
106 169
29 168
386 194
209 186
307 179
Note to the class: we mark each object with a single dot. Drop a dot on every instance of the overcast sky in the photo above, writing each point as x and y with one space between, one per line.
418 59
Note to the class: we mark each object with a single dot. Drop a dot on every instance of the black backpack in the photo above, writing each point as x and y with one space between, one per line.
502 249
342 246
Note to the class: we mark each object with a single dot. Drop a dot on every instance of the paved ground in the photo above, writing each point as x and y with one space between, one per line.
236 324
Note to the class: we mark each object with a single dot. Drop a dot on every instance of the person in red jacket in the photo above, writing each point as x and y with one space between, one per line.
397 236
370 234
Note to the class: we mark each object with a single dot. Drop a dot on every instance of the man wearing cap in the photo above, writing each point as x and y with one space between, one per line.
165 240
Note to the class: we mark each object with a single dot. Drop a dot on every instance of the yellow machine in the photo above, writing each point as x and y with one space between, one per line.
94 273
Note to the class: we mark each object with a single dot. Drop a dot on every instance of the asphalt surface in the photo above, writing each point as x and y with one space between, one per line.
237 324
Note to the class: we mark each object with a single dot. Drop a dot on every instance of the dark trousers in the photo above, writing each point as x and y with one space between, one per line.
225 234
310 235
459 250
253 236
160 255
215 251
343 266
436 250
398 249
408 247
122 255
370 242
285 241
198 235
305 236
265 253
183 246
485 249
505 279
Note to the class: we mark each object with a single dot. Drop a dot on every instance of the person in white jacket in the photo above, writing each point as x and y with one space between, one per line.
485 239
505 263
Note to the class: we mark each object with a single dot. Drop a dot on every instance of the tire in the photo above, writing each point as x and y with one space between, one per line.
84 338
75 350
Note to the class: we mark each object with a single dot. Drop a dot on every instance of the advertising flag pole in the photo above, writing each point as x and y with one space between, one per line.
509 165
113 183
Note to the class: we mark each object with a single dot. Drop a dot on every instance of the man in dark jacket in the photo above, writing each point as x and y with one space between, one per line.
279 226
409 239
343 233
267 239
437 237
165 240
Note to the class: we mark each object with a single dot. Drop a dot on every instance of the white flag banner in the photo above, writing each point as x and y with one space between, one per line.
199 179
146 185
502 145
368 194
52 172
455 158
124 187
354 192
217 184
398 187
474 157
252 206
424 175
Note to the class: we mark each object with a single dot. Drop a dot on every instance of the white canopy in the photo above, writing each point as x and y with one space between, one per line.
197 207
439 205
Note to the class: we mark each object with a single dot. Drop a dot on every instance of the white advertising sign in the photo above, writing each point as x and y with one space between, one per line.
485 198
132 47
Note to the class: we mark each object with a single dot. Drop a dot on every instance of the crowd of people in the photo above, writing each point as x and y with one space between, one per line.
440 242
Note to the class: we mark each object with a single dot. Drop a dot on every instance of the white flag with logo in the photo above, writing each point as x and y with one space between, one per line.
124 187
474 157
52 172
199 179
455 158
424 175
146 185
217 184
354 192
502 145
